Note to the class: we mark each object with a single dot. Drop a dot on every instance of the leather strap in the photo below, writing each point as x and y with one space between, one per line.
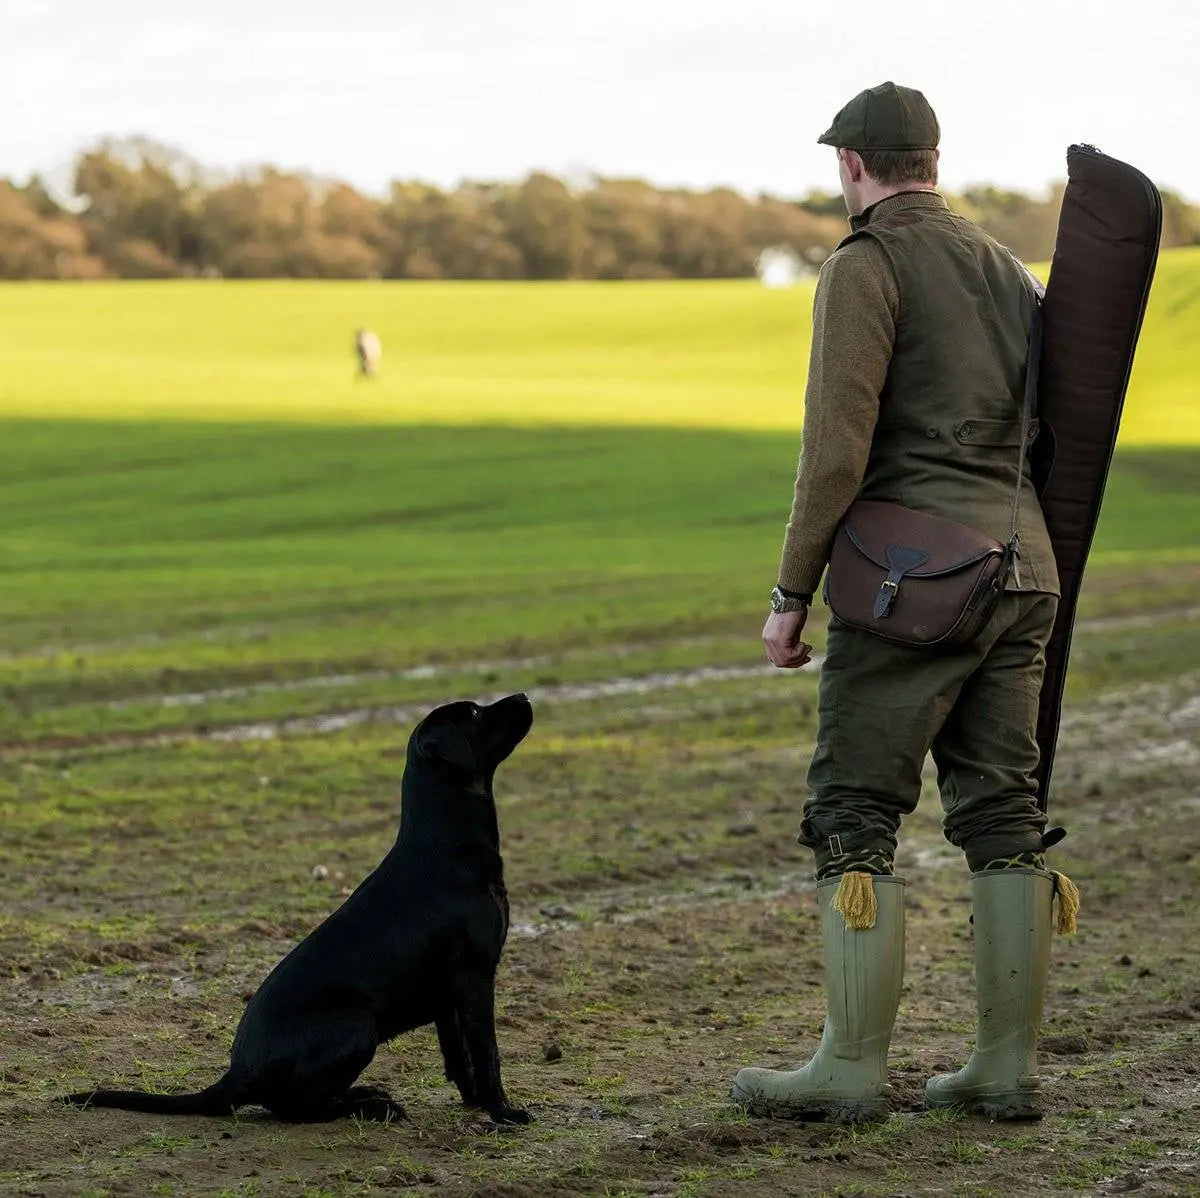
900 559
1028 404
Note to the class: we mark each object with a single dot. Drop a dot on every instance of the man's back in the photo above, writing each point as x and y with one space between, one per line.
947 435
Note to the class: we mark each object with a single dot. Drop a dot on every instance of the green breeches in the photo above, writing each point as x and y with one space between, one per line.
883 708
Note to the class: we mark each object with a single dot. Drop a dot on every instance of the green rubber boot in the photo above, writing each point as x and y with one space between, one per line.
846 1081
1012 959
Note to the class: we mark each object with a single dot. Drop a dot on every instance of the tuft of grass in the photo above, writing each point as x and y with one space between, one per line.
962 1152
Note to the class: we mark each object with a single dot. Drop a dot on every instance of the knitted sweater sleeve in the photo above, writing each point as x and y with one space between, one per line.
854 330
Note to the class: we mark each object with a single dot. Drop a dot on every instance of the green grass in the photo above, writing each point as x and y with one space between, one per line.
148 560
197 496
724 354
719 354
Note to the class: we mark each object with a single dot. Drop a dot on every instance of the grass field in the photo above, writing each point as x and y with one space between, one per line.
231 578
716 355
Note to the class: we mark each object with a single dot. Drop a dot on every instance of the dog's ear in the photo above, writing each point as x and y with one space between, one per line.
449 745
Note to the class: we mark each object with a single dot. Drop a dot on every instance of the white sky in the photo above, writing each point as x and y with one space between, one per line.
689 92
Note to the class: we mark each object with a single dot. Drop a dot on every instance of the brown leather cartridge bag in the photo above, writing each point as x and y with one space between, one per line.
913 578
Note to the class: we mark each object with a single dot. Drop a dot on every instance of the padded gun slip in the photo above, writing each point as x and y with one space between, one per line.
1104 258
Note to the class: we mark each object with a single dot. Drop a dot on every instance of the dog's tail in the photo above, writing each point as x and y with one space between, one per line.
218 1099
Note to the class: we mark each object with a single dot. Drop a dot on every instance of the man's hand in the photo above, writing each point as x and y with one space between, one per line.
781 639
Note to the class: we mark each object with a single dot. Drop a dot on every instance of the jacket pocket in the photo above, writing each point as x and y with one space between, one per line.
994 434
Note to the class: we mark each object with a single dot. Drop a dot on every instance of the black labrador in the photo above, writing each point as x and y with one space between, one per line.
418 942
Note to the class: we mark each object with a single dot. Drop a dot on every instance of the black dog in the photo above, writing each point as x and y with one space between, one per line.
418 942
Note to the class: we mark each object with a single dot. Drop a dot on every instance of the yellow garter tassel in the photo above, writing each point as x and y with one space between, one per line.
855 899
1067 894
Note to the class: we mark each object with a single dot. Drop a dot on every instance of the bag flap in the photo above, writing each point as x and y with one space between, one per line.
871 527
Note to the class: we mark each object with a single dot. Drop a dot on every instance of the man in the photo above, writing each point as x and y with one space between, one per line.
921 327
368 350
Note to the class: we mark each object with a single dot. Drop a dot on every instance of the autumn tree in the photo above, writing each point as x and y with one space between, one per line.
139 208
38 241
143 210
545 223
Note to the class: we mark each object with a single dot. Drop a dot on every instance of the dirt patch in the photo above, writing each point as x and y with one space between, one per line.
653 992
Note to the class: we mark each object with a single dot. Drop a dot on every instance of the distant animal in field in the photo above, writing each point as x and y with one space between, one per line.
418 942
369 351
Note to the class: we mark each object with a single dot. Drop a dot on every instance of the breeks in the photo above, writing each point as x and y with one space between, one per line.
883 708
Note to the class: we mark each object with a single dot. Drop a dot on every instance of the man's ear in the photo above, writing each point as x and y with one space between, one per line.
854 164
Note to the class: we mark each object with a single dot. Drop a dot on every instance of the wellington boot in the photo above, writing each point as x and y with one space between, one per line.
1012 959
846 1081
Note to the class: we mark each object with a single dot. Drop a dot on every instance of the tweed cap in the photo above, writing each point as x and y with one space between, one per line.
887 117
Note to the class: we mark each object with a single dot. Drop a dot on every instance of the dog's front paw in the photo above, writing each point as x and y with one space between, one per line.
510 1114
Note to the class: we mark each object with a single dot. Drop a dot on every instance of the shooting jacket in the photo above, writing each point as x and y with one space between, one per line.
920 340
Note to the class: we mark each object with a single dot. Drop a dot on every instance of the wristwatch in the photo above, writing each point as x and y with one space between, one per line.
782 600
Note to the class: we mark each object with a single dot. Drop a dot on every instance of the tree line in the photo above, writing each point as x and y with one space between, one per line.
140 210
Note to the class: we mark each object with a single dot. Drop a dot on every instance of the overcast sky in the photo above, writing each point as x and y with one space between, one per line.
689 92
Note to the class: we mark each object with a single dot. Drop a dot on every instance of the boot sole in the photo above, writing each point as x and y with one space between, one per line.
830 1110
999 1108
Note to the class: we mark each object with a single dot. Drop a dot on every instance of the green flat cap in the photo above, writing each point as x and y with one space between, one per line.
887 117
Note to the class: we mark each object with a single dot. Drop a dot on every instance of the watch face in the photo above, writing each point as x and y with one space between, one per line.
777 600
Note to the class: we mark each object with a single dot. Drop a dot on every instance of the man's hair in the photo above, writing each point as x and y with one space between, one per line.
901 166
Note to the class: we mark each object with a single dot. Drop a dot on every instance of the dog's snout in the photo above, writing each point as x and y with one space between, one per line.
510 720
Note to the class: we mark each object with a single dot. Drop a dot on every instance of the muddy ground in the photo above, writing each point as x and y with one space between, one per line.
665 934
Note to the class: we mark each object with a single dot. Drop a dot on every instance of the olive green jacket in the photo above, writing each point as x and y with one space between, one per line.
920 340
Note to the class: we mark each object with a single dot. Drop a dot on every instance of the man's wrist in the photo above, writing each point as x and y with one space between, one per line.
788 601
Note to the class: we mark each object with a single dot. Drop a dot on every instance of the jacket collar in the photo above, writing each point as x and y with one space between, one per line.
895 203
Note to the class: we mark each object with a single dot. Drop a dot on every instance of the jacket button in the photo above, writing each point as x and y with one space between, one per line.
966 429
932 433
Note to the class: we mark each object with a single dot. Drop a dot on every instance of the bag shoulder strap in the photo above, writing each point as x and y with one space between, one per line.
1029 401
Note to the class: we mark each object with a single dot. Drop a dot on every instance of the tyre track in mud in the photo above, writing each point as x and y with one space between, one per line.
325 724
337 721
